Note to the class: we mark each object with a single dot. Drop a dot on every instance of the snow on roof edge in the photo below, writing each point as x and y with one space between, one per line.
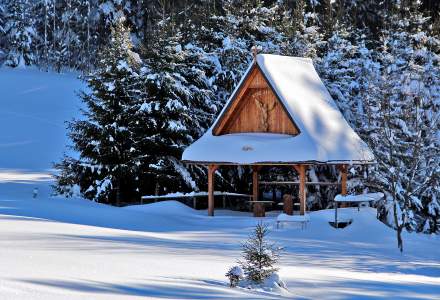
306 162
325 135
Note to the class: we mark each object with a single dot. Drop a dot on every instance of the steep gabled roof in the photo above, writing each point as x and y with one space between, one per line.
325 136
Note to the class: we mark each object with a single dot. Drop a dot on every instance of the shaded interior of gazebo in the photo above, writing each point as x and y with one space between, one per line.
258 205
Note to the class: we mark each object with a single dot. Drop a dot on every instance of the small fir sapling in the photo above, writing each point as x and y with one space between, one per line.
259 256
235 274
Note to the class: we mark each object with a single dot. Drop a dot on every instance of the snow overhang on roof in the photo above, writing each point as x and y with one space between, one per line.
325 136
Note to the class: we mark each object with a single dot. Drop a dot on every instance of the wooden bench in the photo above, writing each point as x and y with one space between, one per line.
301 219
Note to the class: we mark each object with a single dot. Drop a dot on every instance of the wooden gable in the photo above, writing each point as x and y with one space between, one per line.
255 108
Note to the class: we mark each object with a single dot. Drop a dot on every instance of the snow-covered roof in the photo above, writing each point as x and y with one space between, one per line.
325 136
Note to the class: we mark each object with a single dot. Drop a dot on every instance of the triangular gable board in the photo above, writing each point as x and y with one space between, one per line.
255 108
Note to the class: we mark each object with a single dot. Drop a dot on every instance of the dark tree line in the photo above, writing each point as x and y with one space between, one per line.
64 34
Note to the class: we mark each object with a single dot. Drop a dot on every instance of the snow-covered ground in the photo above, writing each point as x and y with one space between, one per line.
55 248
75 249
34 107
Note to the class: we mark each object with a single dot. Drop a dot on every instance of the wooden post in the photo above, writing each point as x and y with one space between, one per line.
301 169
258 207
343 170
274 195
288 204
211 171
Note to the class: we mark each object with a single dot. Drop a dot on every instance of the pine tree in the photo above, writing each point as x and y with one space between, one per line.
350 70
259 256
306 38
404 126
2 18
177 107
44 11
2 29
19 32
106 170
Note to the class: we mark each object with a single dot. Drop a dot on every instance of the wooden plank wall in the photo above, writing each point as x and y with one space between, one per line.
256 109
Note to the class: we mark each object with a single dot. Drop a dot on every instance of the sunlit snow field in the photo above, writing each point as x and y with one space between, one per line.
55 248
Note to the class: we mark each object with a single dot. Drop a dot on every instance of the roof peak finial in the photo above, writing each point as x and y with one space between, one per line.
254 53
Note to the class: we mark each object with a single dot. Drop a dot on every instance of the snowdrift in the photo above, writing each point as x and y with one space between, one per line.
169 207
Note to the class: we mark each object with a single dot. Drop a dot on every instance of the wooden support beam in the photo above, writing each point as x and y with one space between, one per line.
343 170
258 207
211 171
301 169
297 182
288 204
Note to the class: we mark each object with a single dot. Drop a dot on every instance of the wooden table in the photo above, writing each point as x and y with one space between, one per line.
356 199
259 209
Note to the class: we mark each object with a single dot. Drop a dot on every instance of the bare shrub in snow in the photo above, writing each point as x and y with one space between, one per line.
235 274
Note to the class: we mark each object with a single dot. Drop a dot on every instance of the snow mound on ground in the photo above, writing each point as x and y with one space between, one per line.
171 207
272 284
275 283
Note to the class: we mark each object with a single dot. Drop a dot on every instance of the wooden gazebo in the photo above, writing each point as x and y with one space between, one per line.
279 114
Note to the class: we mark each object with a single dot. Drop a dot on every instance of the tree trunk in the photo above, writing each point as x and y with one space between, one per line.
399 227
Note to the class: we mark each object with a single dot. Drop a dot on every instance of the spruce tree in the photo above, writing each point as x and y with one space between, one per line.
304 31
19 30
2 29
2 18
350 71
259 256
177 107
106 170
405 126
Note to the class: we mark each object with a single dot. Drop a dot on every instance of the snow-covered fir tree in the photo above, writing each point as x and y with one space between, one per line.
259 256
107 168
2 29
43 24
302 25
2 17
404 126
176 108
20 32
